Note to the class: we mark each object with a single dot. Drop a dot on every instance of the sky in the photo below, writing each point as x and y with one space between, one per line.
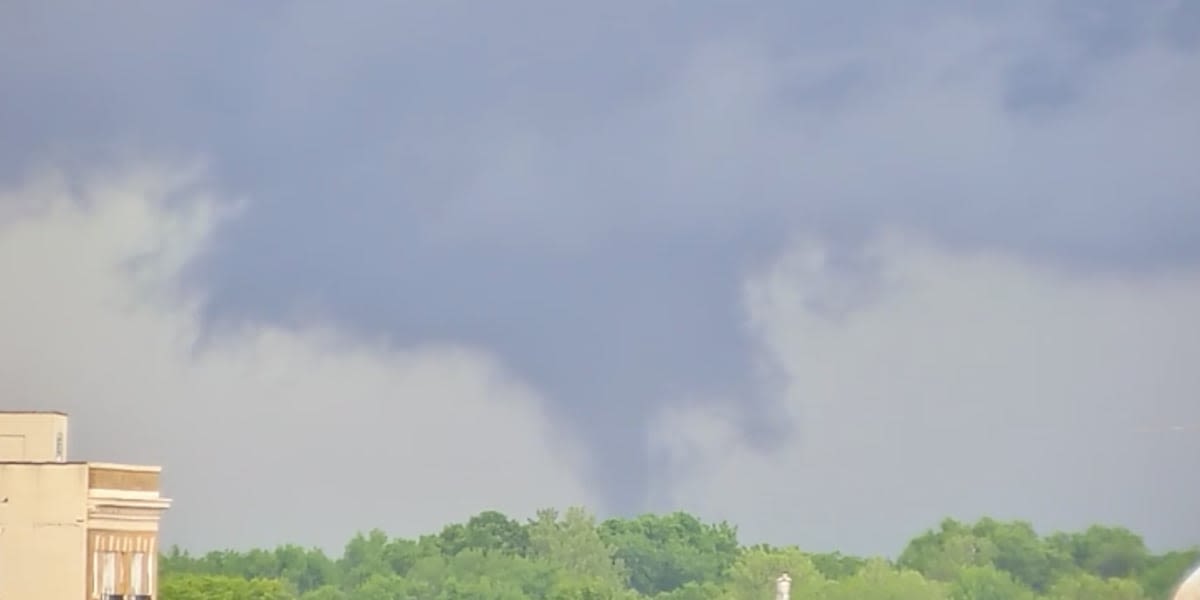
829 271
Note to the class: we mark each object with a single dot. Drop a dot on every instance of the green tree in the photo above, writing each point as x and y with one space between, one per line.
1104 551
575 587
676 557
304 569
1162 573
400 554
941 554
1086 586
988 583
696 591
501 572
754 573
489 531
364 556
666 552
1019 550
176 560
573 544
879 581
835 565
221 587
325 592
380 586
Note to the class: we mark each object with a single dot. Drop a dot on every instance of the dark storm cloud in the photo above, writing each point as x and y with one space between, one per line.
581 189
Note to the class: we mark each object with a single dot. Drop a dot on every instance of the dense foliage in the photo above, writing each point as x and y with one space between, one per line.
570 556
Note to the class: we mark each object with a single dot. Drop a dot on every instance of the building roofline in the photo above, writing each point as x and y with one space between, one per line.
88 463
44 462
124 467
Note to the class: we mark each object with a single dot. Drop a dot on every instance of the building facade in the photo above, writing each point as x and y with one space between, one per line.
71 529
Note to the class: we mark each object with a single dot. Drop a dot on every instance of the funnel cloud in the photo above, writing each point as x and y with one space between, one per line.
675 247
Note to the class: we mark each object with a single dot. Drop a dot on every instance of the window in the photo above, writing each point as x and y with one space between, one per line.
108 575
95 574
122 566
106 570
137 574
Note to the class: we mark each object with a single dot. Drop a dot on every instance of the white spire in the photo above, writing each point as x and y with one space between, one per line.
783 587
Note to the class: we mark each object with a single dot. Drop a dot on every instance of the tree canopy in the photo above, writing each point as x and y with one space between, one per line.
571 556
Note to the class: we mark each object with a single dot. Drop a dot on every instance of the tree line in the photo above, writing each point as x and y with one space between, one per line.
572 556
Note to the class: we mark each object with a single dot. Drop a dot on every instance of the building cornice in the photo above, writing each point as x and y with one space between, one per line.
125 467
118 495
111 504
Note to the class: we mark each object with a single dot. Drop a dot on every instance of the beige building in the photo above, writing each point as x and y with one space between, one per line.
73 530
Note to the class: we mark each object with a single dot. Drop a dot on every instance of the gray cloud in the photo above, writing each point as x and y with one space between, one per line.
580 189
268 434
972 384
